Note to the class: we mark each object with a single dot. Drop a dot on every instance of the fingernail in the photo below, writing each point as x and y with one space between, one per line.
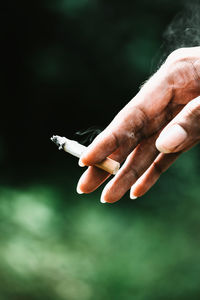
133 197
79 190
171 138
102 200
81 164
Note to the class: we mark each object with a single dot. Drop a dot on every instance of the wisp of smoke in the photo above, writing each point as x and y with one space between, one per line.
184 30
88 135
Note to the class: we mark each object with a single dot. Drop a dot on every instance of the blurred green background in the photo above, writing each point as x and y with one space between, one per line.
63 63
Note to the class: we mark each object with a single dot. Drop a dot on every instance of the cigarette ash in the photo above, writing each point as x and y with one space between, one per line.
59 141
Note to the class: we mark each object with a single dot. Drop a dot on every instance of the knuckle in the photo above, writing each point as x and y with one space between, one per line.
177 55
197 68
115 139
135 173
157 167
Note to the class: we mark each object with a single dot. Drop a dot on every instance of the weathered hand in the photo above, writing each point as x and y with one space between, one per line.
151 131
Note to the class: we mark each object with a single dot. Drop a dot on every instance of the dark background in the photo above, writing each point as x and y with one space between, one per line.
67 65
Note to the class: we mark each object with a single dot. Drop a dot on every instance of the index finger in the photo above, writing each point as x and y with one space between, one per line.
131 122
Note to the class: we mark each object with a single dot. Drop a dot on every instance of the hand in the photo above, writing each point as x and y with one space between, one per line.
151 131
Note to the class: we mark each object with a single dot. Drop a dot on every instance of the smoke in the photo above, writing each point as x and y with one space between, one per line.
184 30
88 135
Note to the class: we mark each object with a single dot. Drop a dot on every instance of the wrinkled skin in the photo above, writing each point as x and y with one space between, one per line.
169 97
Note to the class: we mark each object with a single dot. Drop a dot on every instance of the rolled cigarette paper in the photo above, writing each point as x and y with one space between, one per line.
109 165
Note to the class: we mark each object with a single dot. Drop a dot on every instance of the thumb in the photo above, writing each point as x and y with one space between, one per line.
183 131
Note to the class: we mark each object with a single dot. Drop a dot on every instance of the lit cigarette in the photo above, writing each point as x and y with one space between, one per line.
109 165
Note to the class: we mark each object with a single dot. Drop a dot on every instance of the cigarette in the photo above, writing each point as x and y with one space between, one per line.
73 147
